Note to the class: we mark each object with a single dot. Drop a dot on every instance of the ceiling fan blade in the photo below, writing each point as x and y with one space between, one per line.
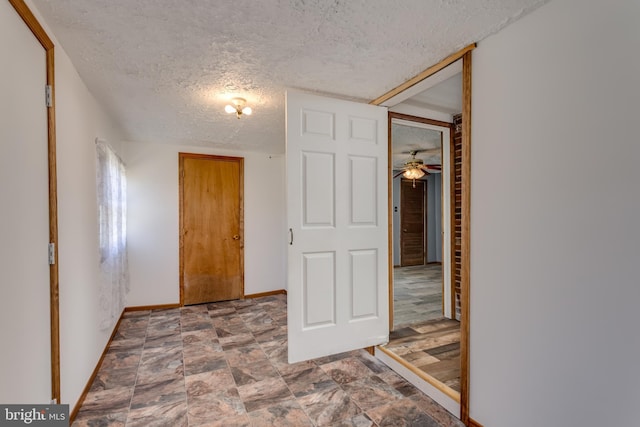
398 174
434 167
421 150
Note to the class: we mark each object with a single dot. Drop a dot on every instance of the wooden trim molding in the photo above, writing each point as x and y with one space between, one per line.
54 297
474 423
151 307
87 387
390 219
32 22
267 294
424 120
423 75
466 238
423 375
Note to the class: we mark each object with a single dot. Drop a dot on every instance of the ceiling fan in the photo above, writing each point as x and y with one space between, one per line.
415 168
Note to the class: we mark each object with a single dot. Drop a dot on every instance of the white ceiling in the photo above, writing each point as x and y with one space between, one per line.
405 139
446 97
164 69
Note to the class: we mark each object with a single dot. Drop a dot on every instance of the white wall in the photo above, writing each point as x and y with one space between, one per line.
555 241
396 220
153 221
79 120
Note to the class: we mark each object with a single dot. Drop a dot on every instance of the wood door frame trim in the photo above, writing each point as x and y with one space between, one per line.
465 250
181 157
465 55
423 75
54 296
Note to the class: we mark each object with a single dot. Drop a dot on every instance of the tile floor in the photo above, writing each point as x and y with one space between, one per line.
225 364
417 294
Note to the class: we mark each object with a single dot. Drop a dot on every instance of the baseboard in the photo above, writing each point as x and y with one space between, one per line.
84 393
474 423
152 307
87 387
267 294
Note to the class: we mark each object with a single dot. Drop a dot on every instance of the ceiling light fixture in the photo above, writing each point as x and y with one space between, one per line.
413 173
238 106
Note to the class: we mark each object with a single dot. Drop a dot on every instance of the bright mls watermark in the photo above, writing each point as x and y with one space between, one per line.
34 415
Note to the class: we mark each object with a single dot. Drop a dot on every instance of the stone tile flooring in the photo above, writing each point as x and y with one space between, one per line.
225 364
417 294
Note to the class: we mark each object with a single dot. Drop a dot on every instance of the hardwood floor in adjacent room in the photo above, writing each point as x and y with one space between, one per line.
433 347
422 336
417 294
225 364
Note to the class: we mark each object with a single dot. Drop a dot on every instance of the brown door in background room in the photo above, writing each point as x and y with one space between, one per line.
211 228
412 220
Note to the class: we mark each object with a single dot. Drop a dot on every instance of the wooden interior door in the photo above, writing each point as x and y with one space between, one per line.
412 220
211 228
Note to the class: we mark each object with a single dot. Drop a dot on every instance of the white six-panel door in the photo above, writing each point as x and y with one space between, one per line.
337 213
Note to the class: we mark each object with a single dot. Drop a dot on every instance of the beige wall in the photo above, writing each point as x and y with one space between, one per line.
153 221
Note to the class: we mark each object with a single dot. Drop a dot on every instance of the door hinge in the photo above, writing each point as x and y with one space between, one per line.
48 95
52 253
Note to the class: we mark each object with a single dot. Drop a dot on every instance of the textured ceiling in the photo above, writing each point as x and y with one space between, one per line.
426 142
165 69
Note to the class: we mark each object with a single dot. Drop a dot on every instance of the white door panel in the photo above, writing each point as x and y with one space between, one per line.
337 211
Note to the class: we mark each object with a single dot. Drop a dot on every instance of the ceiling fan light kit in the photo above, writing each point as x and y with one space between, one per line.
413 173
415 168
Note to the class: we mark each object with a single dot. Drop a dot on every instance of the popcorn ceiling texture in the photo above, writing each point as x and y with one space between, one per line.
165 69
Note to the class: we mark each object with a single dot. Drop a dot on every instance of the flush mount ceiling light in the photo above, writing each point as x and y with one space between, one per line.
238 106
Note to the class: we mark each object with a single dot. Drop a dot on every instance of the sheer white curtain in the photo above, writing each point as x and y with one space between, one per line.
112 221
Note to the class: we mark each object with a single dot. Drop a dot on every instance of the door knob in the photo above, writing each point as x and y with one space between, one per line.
236 237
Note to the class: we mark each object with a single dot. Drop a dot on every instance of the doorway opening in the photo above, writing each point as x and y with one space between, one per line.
421 220
442 94
425 333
